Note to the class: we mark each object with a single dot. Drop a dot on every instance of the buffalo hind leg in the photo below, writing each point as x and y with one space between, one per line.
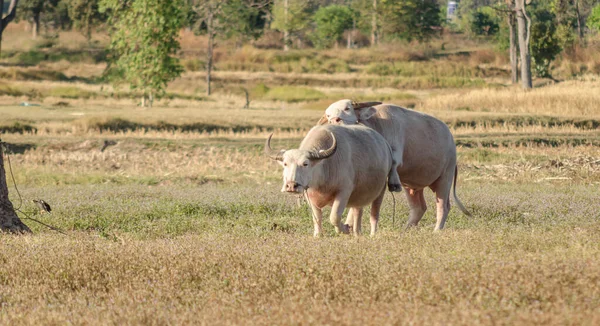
375 211
355 217
417 206
442 188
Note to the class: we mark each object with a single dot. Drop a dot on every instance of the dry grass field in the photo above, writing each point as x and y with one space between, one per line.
180 219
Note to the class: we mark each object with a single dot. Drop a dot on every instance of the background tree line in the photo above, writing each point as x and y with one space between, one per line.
144 33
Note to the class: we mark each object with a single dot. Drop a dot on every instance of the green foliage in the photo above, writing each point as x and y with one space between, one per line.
545 44
31 10
483 22
331 22
85 15
467 8
410 19
293 20
593 21
230 19
143 42
565 12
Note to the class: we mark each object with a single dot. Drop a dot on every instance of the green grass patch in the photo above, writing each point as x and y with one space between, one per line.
294 94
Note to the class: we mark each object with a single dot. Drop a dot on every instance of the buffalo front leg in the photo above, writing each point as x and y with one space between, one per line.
337 209
317 215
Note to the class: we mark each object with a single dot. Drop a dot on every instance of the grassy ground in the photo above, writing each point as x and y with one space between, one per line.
180 220
219 254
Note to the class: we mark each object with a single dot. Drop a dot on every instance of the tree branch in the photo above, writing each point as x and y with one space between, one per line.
12 12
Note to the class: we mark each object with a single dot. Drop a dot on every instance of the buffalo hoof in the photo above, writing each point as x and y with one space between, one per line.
394 187
345 229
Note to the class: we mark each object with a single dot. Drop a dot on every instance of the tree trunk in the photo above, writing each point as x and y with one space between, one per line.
12 12
514 59
1 28
374 24
351 34
35 25
579 22
524 26
144 100
286 31
9 221
209 62
209 50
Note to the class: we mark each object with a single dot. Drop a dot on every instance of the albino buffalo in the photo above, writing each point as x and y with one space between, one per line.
341 166
423 148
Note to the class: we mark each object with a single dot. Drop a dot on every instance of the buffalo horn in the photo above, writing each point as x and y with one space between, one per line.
273 154
322 121
362 105
319 155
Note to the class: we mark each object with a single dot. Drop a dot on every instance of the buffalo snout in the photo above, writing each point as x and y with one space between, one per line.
292 186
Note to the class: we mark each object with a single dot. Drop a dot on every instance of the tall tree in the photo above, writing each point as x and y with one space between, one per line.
9 221
143 41
374 26
545 42
85 15
32 10
4 20
506 8
223 19
410 19
290 17
331 22
512 30
524 33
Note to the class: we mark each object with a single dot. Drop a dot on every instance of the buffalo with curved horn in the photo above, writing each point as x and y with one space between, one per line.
423 150
332 176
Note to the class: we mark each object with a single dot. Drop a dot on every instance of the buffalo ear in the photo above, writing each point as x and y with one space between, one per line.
322 121
365 114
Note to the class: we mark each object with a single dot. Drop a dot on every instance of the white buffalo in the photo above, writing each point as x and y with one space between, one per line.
341 166
424 152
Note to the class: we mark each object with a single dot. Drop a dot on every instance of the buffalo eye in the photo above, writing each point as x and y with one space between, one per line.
346 109
284 164
305 163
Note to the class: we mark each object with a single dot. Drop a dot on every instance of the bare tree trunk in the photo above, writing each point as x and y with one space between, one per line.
209 61
144 100
12 12
351 34
524 27
579 21
374 25
9 221
35 25
286 31
514 59
1 27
